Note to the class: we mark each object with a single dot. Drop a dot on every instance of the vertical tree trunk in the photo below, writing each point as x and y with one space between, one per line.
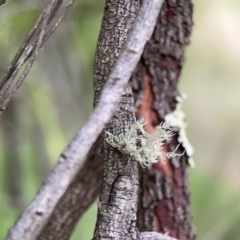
164 196
117 204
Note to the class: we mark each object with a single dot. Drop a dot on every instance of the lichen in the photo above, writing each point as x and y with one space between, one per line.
145 147
177 119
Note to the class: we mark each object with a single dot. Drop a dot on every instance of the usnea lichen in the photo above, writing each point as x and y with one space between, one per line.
145 147
177 119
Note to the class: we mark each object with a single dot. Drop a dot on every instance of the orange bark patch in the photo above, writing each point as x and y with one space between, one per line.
151 119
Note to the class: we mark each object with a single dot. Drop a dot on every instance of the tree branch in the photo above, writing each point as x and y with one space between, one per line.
80 194
120 173
52 189
34 41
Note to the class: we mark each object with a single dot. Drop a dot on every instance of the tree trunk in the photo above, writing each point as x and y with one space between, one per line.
117 205
164 196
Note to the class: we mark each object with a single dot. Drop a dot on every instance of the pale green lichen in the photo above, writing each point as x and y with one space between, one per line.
145 147
177 119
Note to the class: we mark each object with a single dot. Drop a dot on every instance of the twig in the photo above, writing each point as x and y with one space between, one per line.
12 66
33 218
32 48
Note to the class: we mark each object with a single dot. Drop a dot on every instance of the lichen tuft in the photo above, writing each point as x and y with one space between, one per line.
145 147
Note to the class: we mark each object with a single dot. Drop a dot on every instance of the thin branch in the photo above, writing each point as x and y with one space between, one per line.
154 236
12 66
31 48
52 189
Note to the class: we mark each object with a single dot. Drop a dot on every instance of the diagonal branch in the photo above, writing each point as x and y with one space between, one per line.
80 194
36 38
52 189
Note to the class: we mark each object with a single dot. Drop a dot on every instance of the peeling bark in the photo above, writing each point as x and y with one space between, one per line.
164 197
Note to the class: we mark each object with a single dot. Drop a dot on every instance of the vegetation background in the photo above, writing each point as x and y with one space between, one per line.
57 97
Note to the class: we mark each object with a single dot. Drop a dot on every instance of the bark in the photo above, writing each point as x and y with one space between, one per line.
52 189
164 201
164 197
117 203
165 204
79 196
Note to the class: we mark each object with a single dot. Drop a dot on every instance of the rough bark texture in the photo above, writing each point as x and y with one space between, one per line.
79 196
164 199
164 195
55 185
118 199
116 88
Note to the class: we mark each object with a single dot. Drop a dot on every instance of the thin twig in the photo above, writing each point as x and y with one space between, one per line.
36 214
39 41
42 34
52 30
11 68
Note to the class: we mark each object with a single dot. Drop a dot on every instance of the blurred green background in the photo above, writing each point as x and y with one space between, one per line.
57 96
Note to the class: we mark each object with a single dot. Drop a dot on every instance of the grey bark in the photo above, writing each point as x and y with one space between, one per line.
117 204
52 189
164 205
118 198
80 194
